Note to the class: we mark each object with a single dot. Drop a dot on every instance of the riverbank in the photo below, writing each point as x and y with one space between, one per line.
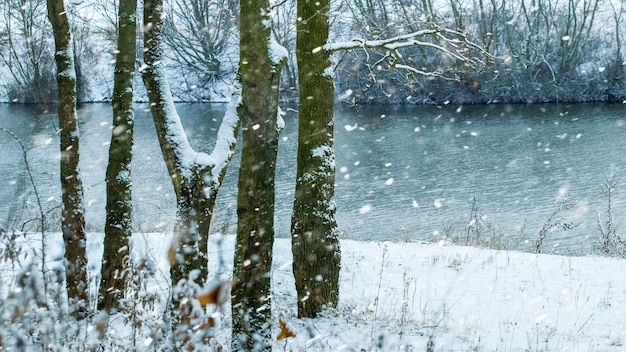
394 297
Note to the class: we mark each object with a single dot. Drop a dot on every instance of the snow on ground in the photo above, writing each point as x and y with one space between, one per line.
400 296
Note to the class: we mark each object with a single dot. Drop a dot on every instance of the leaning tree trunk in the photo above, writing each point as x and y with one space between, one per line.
117 231
314 234
73 220
260 72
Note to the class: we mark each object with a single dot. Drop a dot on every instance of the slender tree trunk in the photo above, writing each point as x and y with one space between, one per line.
314 241
117 231
260 73
73 220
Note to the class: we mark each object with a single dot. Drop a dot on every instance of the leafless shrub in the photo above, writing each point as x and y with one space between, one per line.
611 243
554 222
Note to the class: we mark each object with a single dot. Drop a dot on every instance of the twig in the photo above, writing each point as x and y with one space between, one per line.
38 199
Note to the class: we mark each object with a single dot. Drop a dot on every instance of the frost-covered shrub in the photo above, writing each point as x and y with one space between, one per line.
611 242
32 316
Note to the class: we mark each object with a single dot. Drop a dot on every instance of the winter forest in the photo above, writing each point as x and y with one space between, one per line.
425 74
527 51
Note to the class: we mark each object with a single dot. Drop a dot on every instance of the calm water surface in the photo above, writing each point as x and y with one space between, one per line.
402 172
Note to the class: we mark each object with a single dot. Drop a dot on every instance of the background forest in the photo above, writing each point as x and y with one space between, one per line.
542 50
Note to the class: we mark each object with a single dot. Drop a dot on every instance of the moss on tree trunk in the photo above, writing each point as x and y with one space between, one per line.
251 298
73 220
315 243
117 231
195 183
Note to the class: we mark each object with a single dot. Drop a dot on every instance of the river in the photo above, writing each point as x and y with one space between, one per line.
403 173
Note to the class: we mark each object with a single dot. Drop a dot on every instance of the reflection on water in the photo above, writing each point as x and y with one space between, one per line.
402 172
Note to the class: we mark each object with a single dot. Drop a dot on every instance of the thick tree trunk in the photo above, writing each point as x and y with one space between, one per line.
315 243
116 256
195 182
193 209
196 178
260 73
73 220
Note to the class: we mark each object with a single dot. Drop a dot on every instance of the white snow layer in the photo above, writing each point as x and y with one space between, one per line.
398 296
277 52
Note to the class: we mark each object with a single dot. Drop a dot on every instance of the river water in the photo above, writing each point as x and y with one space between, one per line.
403 173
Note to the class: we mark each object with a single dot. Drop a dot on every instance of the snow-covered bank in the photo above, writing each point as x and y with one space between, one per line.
400 296
397 296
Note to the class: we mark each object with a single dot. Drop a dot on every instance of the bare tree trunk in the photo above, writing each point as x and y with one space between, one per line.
73 220
196 177
314 234
260 72
117 231
195 182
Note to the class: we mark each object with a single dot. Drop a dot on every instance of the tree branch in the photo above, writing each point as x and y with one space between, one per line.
453 43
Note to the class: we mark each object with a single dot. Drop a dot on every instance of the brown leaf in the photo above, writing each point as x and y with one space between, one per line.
171 252
216 295
209 324
284 331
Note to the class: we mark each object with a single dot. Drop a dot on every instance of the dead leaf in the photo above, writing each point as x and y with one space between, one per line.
284 331
217 295
171 252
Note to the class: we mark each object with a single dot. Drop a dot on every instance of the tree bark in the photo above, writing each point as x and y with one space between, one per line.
196 177
314 241
117 231
73 220
259 65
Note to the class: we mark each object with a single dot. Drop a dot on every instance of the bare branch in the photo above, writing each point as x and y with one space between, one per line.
420 72
383 43
452 43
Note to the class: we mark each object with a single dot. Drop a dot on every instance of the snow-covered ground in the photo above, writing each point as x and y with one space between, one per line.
400 296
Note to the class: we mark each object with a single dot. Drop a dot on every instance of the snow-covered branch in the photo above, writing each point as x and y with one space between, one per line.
383 43
453 43
226 136
418 72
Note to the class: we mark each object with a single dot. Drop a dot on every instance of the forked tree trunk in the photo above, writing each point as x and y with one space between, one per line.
314 234
73 220
196 177
260 62
117 232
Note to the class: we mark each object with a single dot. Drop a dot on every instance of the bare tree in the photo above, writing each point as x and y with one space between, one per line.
260 65
616 81
196 177
371 17
73 220
284 31
27 51
201 36
314 232
107 25
118 229
576 32
85 52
